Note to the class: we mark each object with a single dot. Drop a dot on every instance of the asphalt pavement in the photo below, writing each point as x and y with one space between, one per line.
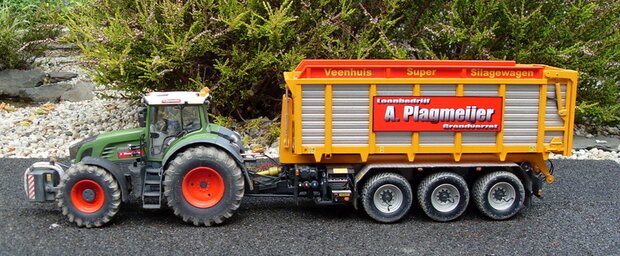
579 215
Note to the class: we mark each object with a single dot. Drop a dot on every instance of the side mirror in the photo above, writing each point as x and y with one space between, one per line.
142 117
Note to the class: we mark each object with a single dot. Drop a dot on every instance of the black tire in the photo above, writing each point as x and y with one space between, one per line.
90 175
216 160
446 188
506 198
380 191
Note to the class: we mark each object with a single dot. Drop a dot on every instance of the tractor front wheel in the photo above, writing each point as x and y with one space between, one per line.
203 186
88 195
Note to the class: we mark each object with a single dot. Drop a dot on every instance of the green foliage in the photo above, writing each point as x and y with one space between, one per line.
579 35
253 124
240 48
274 132
25 27
224 121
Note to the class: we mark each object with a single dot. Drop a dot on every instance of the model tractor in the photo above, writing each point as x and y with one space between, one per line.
202 162
377 134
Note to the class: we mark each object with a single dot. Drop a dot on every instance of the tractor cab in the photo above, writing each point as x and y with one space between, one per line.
172 115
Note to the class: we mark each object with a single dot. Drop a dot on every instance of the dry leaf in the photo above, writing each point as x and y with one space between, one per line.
6 107
49 107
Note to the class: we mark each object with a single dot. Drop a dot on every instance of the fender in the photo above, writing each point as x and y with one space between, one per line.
112 168
220 143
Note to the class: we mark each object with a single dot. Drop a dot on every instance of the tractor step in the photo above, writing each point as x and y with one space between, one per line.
151 192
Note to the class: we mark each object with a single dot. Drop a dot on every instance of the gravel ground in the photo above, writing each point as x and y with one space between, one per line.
47 130
577 217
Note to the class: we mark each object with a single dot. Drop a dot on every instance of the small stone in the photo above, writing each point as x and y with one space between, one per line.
68 133
55 77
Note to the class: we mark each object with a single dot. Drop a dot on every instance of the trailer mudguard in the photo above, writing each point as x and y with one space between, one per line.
112 168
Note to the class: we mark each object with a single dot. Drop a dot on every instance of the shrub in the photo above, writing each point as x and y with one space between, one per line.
25 27
240 48
579 35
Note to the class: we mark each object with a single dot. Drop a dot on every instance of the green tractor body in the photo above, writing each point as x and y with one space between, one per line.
119 166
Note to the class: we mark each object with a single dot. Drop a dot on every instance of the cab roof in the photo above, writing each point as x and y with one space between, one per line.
175 98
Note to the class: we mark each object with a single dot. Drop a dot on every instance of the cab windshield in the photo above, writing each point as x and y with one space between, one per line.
169 123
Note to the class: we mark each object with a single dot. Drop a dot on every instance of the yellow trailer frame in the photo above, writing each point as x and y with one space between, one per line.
292 150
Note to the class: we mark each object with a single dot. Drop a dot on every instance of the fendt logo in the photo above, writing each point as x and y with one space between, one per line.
408 113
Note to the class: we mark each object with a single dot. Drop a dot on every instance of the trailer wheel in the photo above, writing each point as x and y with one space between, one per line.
203 186
88 195
499 195
443 196
387 197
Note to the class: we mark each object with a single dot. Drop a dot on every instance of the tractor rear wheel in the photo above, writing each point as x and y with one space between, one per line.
88 195
203 185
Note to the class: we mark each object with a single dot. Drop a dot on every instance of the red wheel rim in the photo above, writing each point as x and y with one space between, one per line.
87 196
203 187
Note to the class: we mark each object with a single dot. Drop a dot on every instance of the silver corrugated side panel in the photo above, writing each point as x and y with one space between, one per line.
549 135
313 115
521 114
350 114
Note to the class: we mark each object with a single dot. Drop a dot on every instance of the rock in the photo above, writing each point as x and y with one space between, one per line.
55 92
80 91
254 132
14 80
55 77
45 93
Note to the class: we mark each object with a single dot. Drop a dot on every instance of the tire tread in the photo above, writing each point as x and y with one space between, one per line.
111 184
208 153
479 194
367 197
423 188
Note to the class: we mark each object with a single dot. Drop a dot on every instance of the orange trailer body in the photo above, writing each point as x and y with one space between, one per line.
426 111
